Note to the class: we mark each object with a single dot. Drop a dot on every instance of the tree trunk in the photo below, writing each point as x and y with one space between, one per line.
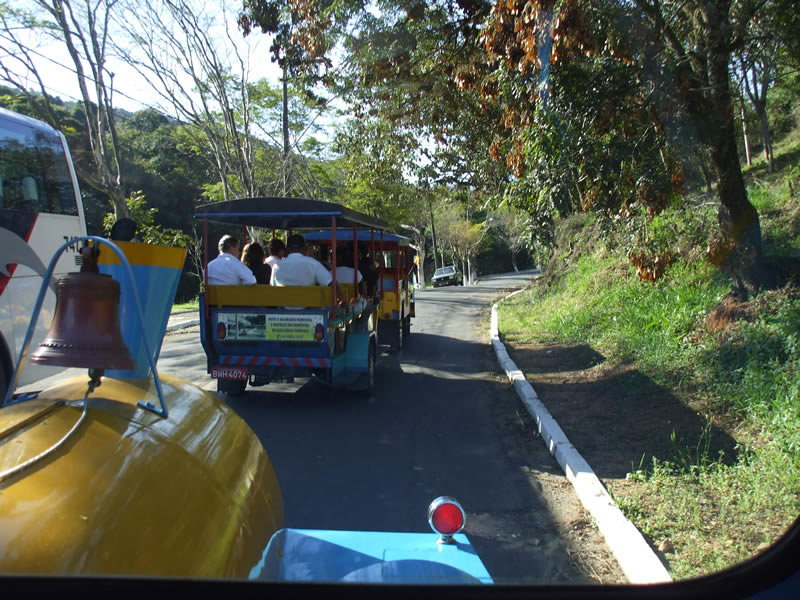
739 252
117 199
433 235
285 129
707 177
767 137
746 135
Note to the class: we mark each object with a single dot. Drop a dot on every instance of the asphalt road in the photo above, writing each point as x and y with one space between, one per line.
443 421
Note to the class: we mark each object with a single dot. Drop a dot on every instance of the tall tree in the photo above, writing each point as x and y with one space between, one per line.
766 55
202 79
83 29
399 64
686 44
299 52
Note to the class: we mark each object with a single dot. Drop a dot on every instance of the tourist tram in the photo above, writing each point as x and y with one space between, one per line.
394 265
260 334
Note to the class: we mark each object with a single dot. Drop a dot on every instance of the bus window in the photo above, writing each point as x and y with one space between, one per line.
39 211
34 171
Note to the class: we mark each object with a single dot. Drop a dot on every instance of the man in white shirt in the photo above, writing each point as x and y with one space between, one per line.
297 268
227 269
344 267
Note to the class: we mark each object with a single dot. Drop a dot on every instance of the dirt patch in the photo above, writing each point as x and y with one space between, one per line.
728 312
616 417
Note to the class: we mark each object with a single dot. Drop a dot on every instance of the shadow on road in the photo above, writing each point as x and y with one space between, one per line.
442 422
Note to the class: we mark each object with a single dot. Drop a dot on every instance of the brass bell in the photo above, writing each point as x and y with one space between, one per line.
85 330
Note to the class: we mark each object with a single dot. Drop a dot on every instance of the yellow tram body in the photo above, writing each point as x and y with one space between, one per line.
123 494
94 479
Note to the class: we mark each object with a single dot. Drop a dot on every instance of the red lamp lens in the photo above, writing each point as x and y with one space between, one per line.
221 331
447 519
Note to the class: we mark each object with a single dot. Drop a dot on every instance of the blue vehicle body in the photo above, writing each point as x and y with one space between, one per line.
281 359
325 556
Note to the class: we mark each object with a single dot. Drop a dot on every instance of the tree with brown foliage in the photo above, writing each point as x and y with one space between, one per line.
681 48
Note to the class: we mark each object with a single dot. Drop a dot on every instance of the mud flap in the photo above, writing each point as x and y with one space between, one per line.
357 352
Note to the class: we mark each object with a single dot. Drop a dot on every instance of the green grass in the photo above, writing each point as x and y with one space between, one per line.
192 305
623 318
747 377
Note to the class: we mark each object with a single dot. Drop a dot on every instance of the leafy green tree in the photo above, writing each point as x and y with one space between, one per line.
764 58
82 30
168 174
400 65
682 50
201 78
375 160
147 230
514 228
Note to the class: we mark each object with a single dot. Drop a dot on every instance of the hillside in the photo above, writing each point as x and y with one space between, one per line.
684 400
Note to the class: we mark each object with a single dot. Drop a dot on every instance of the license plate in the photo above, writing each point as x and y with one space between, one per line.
238 373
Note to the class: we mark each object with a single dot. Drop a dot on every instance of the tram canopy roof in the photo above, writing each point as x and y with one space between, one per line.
363 235
285 213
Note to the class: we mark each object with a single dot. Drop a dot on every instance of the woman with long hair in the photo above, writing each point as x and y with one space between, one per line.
253 257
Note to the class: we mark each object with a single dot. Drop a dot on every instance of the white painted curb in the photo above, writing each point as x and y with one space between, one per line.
183 325
635 556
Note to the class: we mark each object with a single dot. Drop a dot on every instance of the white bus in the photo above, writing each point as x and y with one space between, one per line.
40 208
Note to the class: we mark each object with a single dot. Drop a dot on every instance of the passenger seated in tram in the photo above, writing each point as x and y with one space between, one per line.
253 257
366 265
277 250
363 303
344 268
297 268
226 268
315 252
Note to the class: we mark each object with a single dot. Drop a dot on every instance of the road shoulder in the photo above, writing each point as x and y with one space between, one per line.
636 558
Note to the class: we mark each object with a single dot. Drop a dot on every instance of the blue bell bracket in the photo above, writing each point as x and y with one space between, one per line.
149 406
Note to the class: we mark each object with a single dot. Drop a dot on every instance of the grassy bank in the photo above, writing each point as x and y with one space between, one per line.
735 364
182 307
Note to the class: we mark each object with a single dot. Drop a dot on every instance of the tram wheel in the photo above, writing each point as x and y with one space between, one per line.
407 326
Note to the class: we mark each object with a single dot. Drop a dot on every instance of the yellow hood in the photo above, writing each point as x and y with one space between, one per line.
129 492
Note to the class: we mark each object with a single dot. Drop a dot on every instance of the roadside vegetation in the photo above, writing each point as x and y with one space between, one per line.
736 364
609 164
186 306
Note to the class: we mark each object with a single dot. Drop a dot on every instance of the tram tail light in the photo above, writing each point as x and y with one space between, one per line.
446 517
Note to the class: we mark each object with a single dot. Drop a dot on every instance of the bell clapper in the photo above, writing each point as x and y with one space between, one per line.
95 379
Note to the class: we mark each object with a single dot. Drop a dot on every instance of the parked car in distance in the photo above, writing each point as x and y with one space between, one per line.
449 275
